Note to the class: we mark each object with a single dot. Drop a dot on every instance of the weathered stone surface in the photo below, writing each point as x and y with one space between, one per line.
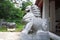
36 27
24 36
38 36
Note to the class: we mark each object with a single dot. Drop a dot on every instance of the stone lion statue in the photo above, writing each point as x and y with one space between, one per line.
36 27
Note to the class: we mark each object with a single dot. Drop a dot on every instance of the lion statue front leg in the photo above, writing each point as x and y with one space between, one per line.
27 28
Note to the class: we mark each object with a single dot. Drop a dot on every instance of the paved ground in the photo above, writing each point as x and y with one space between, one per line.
9 35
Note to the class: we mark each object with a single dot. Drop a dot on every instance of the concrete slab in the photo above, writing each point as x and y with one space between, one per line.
9 35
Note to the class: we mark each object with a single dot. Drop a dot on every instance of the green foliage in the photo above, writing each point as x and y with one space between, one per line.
10 13
25 4
19 27
3 29
5 7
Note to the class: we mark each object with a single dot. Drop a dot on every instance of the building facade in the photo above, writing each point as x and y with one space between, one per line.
50 10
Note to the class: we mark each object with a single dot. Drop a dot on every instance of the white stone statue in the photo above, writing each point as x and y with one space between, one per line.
36 27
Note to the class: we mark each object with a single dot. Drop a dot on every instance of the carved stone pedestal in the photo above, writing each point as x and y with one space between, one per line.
41 35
